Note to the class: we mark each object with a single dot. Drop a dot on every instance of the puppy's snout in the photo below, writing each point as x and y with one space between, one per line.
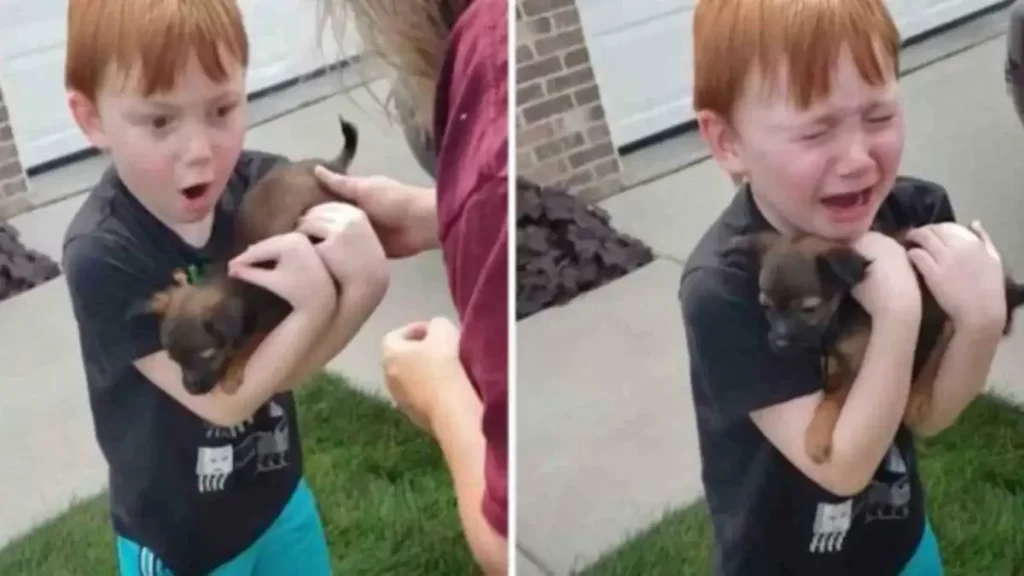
780 337
197 383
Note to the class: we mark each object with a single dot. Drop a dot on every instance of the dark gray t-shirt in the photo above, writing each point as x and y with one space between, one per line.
769 518
194 493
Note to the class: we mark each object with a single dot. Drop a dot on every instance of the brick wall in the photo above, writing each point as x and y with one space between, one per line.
562 135
13 183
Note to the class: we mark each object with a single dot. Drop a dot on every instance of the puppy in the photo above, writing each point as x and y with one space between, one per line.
211 327
804 287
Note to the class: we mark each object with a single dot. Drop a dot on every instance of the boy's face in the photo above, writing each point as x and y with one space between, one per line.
175 150
822 171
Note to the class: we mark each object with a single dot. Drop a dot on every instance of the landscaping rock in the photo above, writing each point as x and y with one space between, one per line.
566 247
21 268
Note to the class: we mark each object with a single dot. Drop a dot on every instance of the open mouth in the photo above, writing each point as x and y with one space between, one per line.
196 191
848 200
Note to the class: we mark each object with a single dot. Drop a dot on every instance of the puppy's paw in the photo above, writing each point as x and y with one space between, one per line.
917 410
818 445
233 379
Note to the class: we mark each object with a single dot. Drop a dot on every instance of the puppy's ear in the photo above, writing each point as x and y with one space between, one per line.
843 266
755 245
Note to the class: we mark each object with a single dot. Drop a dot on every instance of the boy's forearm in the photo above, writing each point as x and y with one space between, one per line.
354 308
877 401
457 428
963 372
277 358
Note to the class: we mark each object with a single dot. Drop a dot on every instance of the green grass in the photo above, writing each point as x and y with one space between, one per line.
974 479
382 486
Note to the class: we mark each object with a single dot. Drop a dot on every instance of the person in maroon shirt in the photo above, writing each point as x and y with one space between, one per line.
452 62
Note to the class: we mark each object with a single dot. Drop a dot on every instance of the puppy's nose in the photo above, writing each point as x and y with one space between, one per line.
780 342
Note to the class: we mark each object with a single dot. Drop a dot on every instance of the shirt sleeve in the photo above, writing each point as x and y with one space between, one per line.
477 255
108 289
730 358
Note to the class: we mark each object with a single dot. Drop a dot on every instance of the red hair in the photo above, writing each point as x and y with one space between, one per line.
734 38
157 36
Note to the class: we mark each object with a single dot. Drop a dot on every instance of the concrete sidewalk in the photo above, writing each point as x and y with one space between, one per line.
606 434
45 424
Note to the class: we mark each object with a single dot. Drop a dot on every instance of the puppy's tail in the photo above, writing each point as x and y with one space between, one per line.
350 133
1014 299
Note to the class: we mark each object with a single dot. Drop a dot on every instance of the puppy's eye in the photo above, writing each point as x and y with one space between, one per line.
208 353
811 304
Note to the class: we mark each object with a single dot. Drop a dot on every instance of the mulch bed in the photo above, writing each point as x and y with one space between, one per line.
566 247
21 268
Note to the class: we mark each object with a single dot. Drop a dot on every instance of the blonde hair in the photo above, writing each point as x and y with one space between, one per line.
106 36
733 38
409 35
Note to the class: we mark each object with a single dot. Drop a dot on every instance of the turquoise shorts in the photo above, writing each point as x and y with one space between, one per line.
294 544
926 560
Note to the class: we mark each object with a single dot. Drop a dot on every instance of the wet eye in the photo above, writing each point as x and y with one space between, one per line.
208 353
159 122
223 111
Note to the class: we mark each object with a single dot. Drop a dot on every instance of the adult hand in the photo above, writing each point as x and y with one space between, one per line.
297 275
964 272
890 287
421 365
404 216
349 246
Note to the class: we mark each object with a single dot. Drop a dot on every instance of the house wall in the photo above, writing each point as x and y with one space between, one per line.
13 182
562 135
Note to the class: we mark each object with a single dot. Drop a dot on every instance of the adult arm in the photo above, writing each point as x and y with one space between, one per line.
473 432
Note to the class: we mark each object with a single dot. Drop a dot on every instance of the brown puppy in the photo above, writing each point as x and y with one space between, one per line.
804 286
212 326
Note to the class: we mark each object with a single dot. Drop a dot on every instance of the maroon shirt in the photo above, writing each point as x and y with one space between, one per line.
471 130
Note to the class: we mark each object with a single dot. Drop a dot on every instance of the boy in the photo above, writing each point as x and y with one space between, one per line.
799 102
207 484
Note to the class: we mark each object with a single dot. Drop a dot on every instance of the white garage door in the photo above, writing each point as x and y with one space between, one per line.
283 45
641 52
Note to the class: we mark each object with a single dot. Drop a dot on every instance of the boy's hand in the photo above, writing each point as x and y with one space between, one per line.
964 271
404 216
890 287
421 363
350 248
298 274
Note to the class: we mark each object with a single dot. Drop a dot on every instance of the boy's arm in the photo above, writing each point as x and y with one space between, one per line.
271 369
869 419
963 373
355 305
726 335
105 279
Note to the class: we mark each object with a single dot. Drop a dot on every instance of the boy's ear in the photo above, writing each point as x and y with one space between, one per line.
842 266
720 137
87 117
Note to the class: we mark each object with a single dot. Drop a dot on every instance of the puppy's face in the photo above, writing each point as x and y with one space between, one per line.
201 326
801 284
